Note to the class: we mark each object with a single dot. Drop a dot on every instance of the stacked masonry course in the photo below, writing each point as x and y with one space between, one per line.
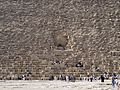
50 37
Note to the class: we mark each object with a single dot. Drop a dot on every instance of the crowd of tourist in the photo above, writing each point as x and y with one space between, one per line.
102 78
73 78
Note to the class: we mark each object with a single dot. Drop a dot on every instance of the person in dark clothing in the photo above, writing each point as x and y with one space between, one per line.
102 78
51 77
91 79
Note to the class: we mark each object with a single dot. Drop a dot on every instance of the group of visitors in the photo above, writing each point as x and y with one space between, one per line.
63 77
102 78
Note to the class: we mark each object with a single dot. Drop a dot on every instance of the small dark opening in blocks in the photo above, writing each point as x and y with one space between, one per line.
60 47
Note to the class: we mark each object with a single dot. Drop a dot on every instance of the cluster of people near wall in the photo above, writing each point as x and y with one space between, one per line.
102 78
63 78
23 77
16 77
92 77
71 77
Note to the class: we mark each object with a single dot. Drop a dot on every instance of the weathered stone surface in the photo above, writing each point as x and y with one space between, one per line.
89 32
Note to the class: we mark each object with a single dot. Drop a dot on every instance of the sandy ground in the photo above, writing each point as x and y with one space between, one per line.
56 85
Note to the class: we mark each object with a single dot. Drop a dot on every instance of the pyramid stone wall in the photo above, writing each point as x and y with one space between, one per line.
50 37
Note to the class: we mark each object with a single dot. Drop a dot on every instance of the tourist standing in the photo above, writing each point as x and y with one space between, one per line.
113 80
91 78
67 78
102 78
